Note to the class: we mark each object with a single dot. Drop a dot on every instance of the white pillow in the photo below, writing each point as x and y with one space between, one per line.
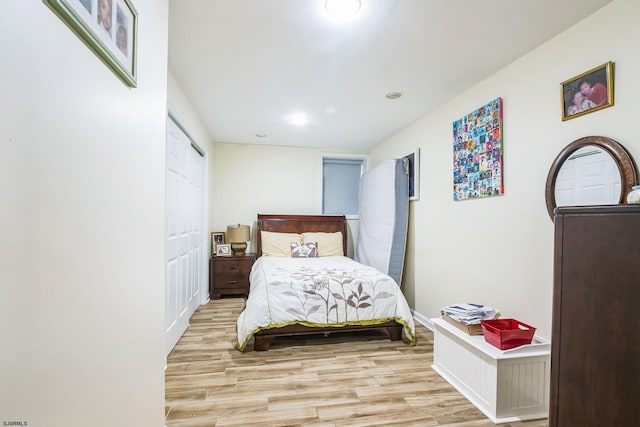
329 244
278 244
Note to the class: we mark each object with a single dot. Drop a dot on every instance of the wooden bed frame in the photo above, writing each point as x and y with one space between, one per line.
300 224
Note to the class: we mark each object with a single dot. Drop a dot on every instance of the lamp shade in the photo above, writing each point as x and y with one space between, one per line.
238 233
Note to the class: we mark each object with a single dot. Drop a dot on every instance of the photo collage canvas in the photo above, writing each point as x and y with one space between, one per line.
477 153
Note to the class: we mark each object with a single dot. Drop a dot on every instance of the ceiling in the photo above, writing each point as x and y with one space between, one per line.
248 65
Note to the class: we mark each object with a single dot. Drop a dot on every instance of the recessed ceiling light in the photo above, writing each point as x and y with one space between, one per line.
393 95
342 10
298 119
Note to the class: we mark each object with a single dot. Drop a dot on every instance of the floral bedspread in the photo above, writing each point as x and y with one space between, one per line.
324 291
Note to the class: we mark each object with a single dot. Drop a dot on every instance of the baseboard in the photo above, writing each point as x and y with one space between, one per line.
424 321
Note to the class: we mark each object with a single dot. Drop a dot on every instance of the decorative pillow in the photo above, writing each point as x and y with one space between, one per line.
278 244
304 250
328 244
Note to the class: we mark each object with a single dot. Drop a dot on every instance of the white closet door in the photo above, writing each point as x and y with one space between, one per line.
195 228
184 233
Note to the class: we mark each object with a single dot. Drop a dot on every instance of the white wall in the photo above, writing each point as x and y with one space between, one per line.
499 251
81 225
266 179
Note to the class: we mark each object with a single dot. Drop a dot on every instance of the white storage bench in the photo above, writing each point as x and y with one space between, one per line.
506 385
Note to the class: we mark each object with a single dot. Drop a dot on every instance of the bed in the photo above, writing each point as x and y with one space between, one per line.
316 295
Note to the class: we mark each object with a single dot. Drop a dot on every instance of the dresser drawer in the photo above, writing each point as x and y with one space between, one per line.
232 266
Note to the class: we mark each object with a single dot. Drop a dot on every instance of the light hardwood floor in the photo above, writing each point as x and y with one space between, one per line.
361 379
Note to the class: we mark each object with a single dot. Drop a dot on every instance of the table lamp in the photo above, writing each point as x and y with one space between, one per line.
238 236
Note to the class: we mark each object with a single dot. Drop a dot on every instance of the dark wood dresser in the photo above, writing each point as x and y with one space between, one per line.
229 275
595 346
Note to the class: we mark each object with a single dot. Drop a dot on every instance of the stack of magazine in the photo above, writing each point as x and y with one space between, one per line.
470 314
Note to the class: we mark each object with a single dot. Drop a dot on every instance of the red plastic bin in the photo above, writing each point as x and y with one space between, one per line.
507 333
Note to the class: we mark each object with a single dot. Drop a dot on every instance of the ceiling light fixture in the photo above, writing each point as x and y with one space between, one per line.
342 10
298 119
393 95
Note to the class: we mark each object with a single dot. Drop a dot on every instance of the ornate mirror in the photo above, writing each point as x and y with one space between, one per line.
594 170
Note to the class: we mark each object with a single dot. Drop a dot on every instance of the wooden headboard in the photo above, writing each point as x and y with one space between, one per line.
301 224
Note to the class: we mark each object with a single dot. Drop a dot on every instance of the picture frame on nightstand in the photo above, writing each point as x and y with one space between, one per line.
223 249
217 238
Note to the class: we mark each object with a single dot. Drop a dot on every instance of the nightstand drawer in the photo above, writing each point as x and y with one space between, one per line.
230 275
231 281
233 266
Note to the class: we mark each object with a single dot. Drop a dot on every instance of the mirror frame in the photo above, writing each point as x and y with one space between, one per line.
626 166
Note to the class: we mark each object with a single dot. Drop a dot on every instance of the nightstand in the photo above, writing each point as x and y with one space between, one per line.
229 275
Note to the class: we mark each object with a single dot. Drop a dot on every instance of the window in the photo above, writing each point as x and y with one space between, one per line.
341 184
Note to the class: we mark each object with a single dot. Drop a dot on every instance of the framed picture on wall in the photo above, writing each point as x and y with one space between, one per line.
414 174
108 27
587 92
